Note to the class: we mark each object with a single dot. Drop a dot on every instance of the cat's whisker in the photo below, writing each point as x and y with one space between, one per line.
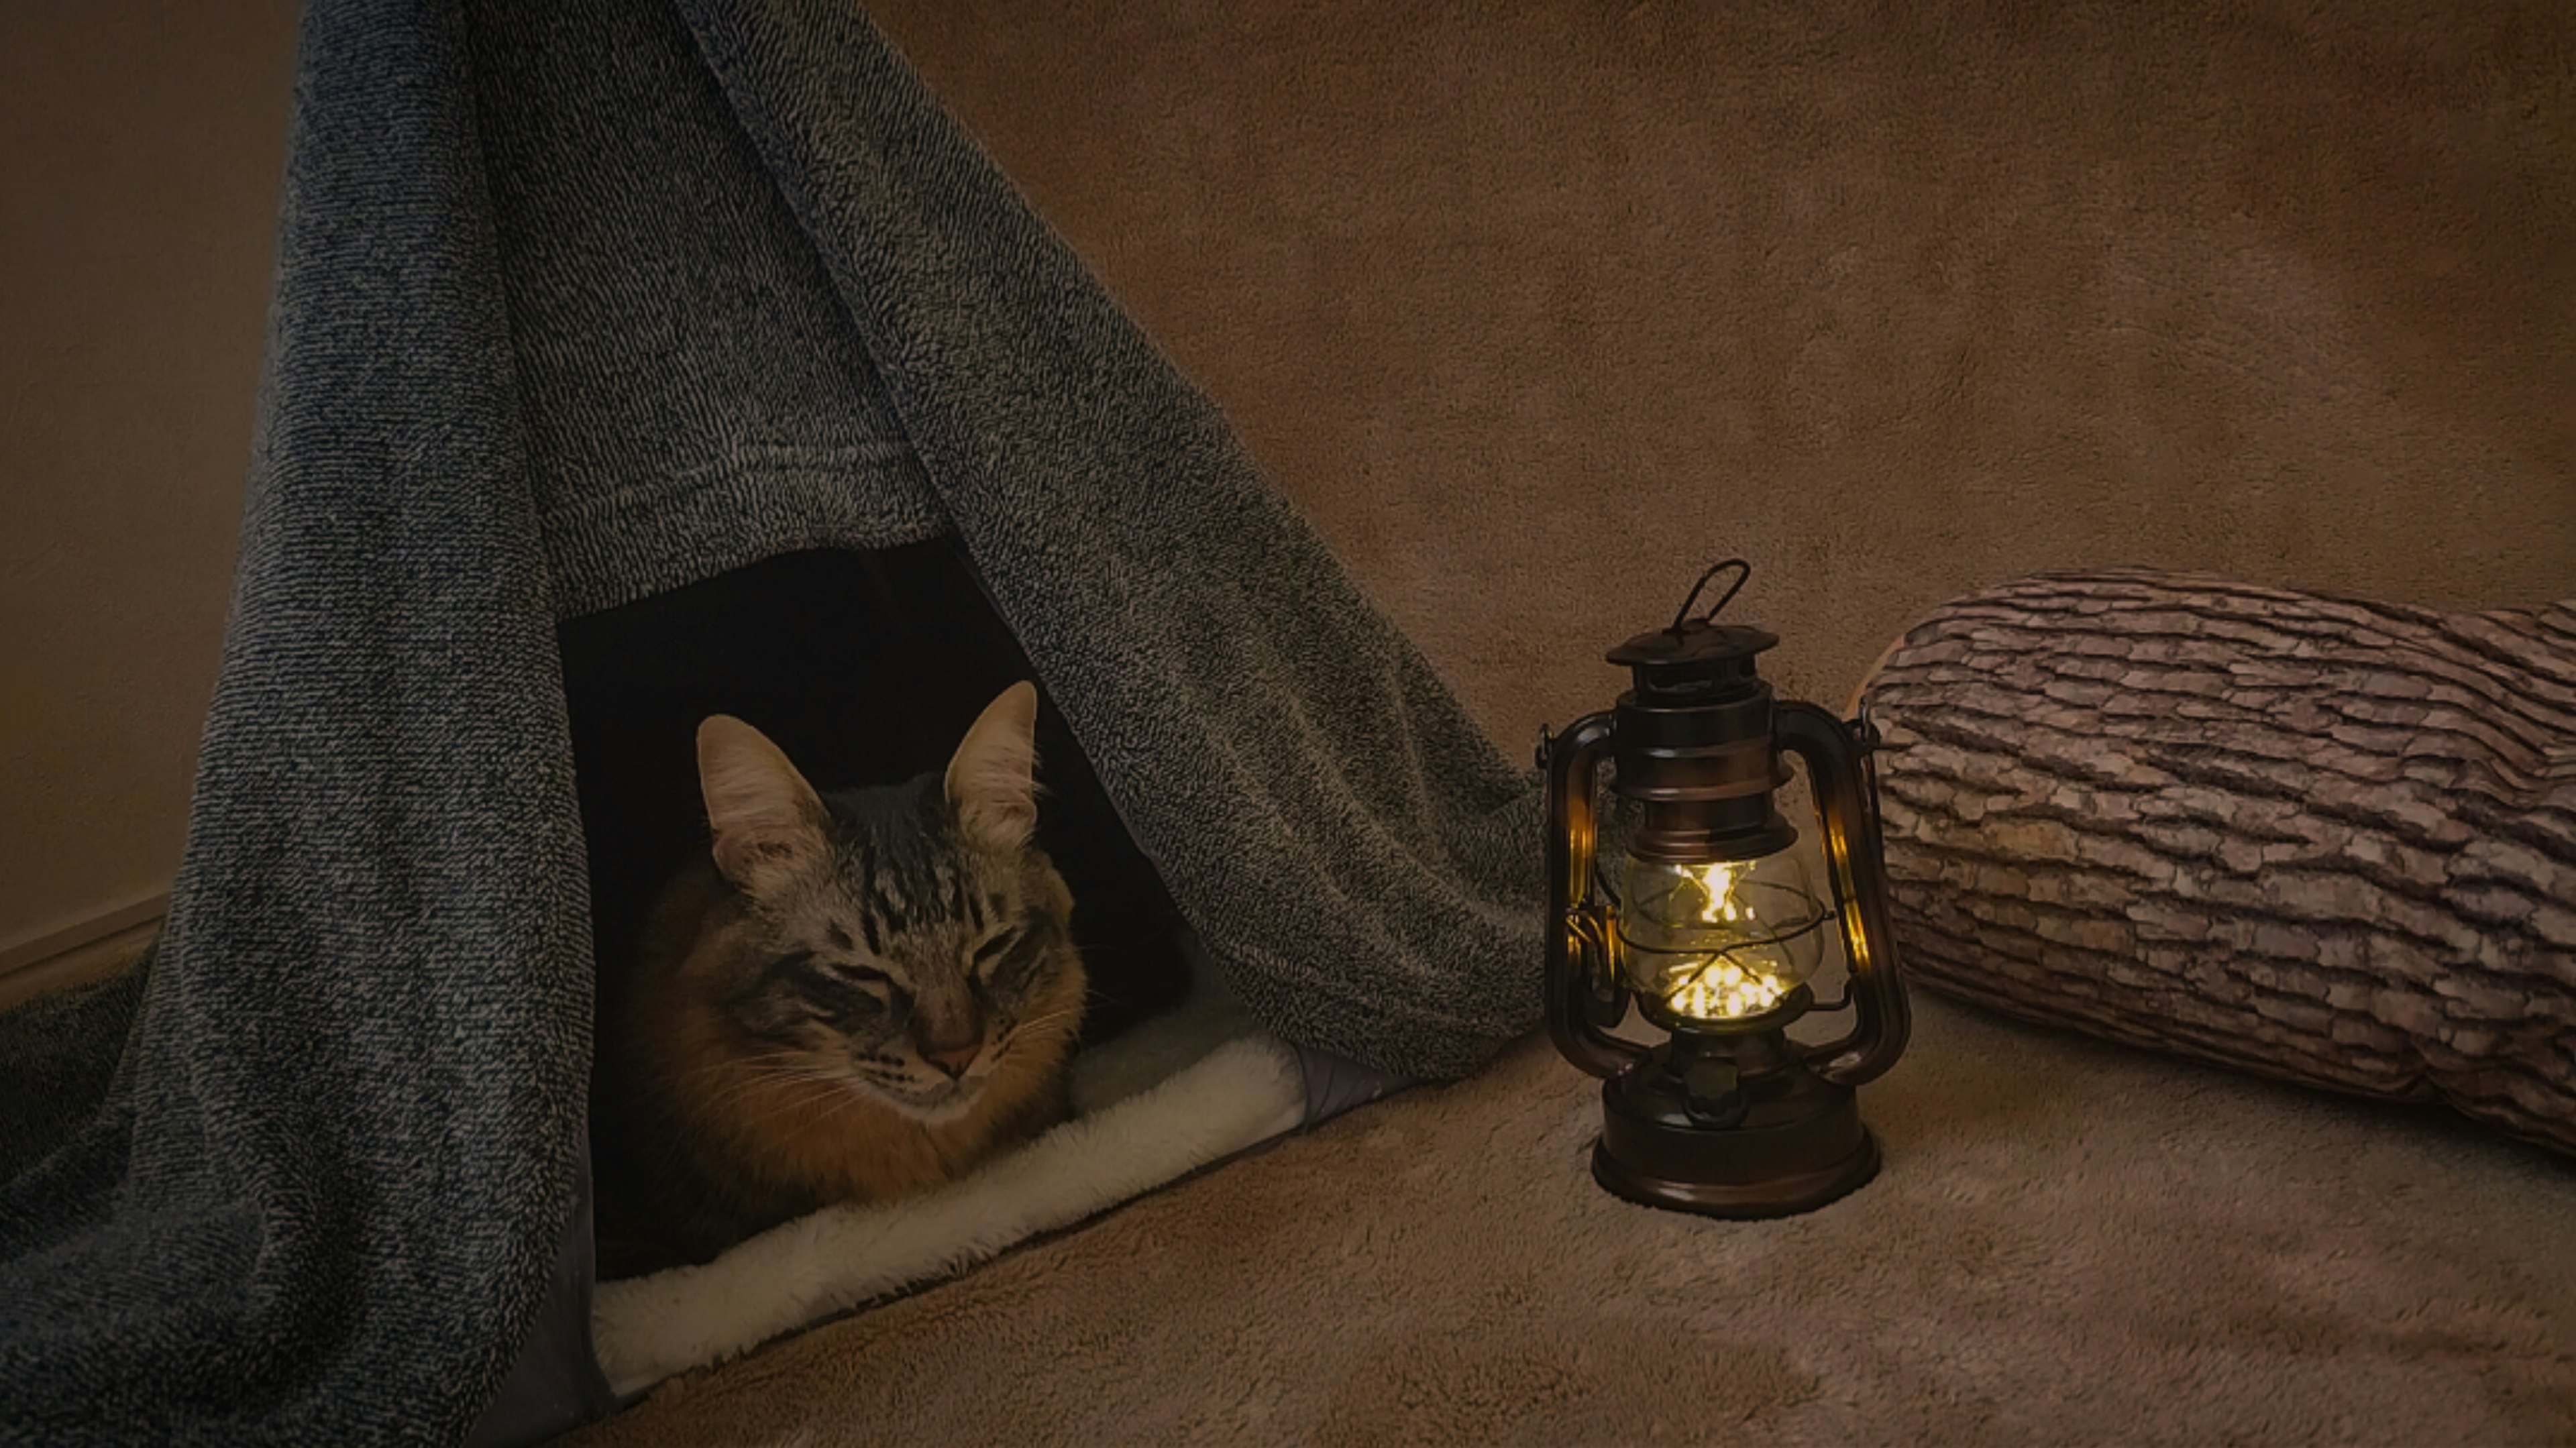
1060 1013
732 1085
729 1064
1040 1022
790 1075
767 1077
810 1085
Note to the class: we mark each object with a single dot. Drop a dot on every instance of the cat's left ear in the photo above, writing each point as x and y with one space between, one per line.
767 822
992 782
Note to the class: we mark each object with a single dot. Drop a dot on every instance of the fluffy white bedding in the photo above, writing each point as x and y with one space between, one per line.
1153 1105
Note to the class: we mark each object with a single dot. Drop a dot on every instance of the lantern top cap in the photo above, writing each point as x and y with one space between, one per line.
1696 642
1697 660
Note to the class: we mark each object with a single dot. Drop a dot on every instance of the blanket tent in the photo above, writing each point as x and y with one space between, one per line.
631 361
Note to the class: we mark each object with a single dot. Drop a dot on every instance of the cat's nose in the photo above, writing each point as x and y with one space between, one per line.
954 1063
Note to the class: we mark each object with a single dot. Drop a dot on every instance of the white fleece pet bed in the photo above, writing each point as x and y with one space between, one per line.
1167 1098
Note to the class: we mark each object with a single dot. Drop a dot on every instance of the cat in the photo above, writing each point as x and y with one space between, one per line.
843 997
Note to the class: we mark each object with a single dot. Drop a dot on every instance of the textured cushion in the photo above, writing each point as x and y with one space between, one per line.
2324 839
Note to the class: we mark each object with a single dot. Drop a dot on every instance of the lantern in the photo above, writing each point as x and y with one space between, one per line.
1711 916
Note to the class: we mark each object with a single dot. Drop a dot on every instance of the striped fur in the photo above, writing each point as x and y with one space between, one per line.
850 996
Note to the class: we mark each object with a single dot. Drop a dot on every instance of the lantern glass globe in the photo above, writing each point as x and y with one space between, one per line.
1721 941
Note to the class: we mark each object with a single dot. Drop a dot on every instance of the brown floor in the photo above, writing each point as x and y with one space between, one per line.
2070 1243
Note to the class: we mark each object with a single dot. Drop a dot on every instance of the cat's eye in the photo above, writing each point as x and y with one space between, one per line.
841 990
993 948
870 975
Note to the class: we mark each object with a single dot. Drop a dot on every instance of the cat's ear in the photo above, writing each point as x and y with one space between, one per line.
992 783
767 821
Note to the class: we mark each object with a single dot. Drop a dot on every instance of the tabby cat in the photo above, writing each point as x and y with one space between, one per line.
847 997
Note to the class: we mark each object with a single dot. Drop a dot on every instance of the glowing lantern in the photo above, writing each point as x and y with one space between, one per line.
1719 918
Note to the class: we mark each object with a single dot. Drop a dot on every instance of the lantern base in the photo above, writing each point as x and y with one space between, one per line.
1786 1143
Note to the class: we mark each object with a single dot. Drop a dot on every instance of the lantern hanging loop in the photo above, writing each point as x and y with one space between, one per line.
1743 575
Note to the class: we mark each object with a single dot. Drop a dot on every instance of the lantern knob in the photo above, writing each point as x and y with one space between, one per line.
1697 662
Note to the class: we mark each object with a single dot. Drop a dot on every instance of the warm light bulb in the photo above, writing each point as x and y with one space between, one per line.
1718 881
1722 990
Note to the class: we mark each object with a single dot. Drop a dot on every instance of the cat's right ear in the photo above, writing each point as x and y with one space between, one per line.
768 824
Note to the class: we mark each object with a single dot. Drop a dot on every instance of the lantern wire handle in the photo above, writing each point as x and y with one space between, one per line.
1743 575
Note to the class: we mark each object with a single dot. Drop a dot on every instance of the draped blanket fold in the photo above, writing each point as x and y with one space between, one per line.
577 304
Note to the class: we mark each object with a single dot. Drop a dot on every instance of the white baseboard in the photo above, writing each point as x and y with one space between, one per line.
99 946
34 950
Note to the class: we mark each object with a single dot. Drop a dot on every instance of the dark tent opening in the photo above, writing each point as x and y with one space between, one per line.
865 667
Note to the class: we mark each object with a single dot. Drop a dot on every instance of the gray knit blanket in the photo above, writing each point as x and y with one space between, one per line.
578 303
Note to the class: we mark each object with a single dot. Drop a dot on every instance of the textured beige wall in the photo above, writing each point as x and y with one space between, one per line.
1531 308
141 146
1534 307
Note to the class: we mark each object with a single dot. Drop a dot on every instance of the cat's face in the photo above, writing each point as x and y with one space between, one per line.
905 943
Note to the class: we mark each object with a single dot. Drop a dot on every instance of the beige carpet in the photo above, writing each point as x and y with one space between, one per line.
1536 308
2071 1243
